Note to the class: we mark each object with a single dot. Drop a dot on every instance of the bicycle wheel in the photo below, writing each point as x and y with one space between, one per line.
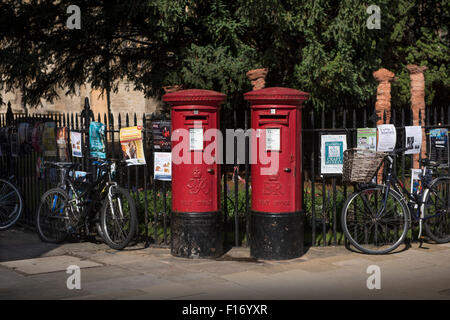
118 219
370 232
436 210
11 204
51 220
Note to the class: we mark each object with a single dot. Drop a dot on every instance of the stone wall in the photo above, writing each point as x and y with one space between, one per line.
124 101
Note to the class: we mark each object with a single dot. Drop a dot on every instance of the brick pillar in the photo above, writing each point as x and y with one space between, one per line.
257 78
383 104
417 79
167 89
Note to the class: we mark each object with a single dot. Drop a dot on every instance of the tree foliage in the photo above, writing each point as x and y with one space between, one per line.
320 46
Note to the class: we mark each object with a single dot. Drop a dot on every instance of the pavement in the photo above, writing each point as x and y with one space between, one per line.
30 269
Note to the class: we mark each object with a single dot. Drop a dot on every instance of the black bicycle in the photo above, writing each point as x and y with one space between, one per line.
11 200
376 218
78 206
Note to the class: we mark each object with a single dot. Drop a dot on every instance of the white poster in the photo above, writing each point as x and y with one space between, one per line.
163 166
195 139
413 141
387 137
75 141
416 184
332 149
273 139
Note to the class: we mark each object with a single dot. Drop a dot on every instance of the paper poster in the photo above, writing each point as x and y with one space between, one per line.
4 143
61 143
163 166
387 137
49 139
416 184
439 146
161 131
413 136
332 149
75 141
97 140
367 138
14 142
80 176
195 139
273 137
132 147
24 135
36 137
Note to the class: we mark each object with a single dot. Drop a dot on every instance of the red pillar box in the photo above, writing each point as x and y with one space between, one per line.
276 221
196 222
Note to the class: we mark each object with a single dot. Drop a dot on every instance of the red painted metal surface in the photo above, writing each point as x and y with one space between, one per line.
195 186
279 110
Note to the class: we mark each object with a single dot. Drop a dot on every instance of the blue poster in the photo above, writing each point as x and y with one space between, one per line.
97 140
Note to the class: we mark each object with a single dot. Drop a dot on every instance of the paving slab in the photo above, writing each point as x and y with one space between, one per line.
48 264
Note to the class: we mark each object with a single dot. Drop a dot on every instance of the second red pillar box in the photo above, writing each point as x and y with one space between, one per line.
276 221
196 223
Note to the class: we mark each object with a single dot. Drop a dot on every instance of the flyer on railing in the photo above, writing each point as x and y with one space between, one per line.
163 166
332 147
387 137
49 139
413 136
132 147
75 141
367 138
439 149
97 140
61 143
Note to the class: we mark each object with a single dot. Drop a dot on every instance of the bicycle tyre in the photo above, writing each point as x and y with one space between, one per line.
351 232
106 219
437 228
11 217
52 232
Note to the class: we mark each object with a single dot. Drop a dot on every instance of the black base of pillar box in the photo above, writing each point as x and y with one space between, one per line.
276 236
196 235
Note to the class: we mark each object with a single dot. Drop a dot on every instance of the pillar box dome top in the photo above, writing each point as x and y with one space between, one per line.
276 95
194 97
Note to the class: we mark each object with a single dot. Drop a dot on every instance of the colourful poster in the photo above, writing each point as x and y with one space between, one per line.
132 147
97 140
439 149
36 137
75 142
163 166
332 153
367 138
161 135
61 143
416 183
49 139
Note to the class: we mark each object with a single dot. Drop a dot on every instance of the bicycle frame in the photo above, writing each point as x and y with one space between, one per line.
409 198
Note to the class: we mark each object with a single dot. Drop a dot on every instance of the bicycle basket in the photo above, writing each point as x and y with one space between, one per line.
360 165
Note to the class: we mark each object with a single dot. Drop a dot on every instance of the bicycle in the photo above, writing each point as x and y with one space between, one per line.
77 206
11 200
11 203
376 218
